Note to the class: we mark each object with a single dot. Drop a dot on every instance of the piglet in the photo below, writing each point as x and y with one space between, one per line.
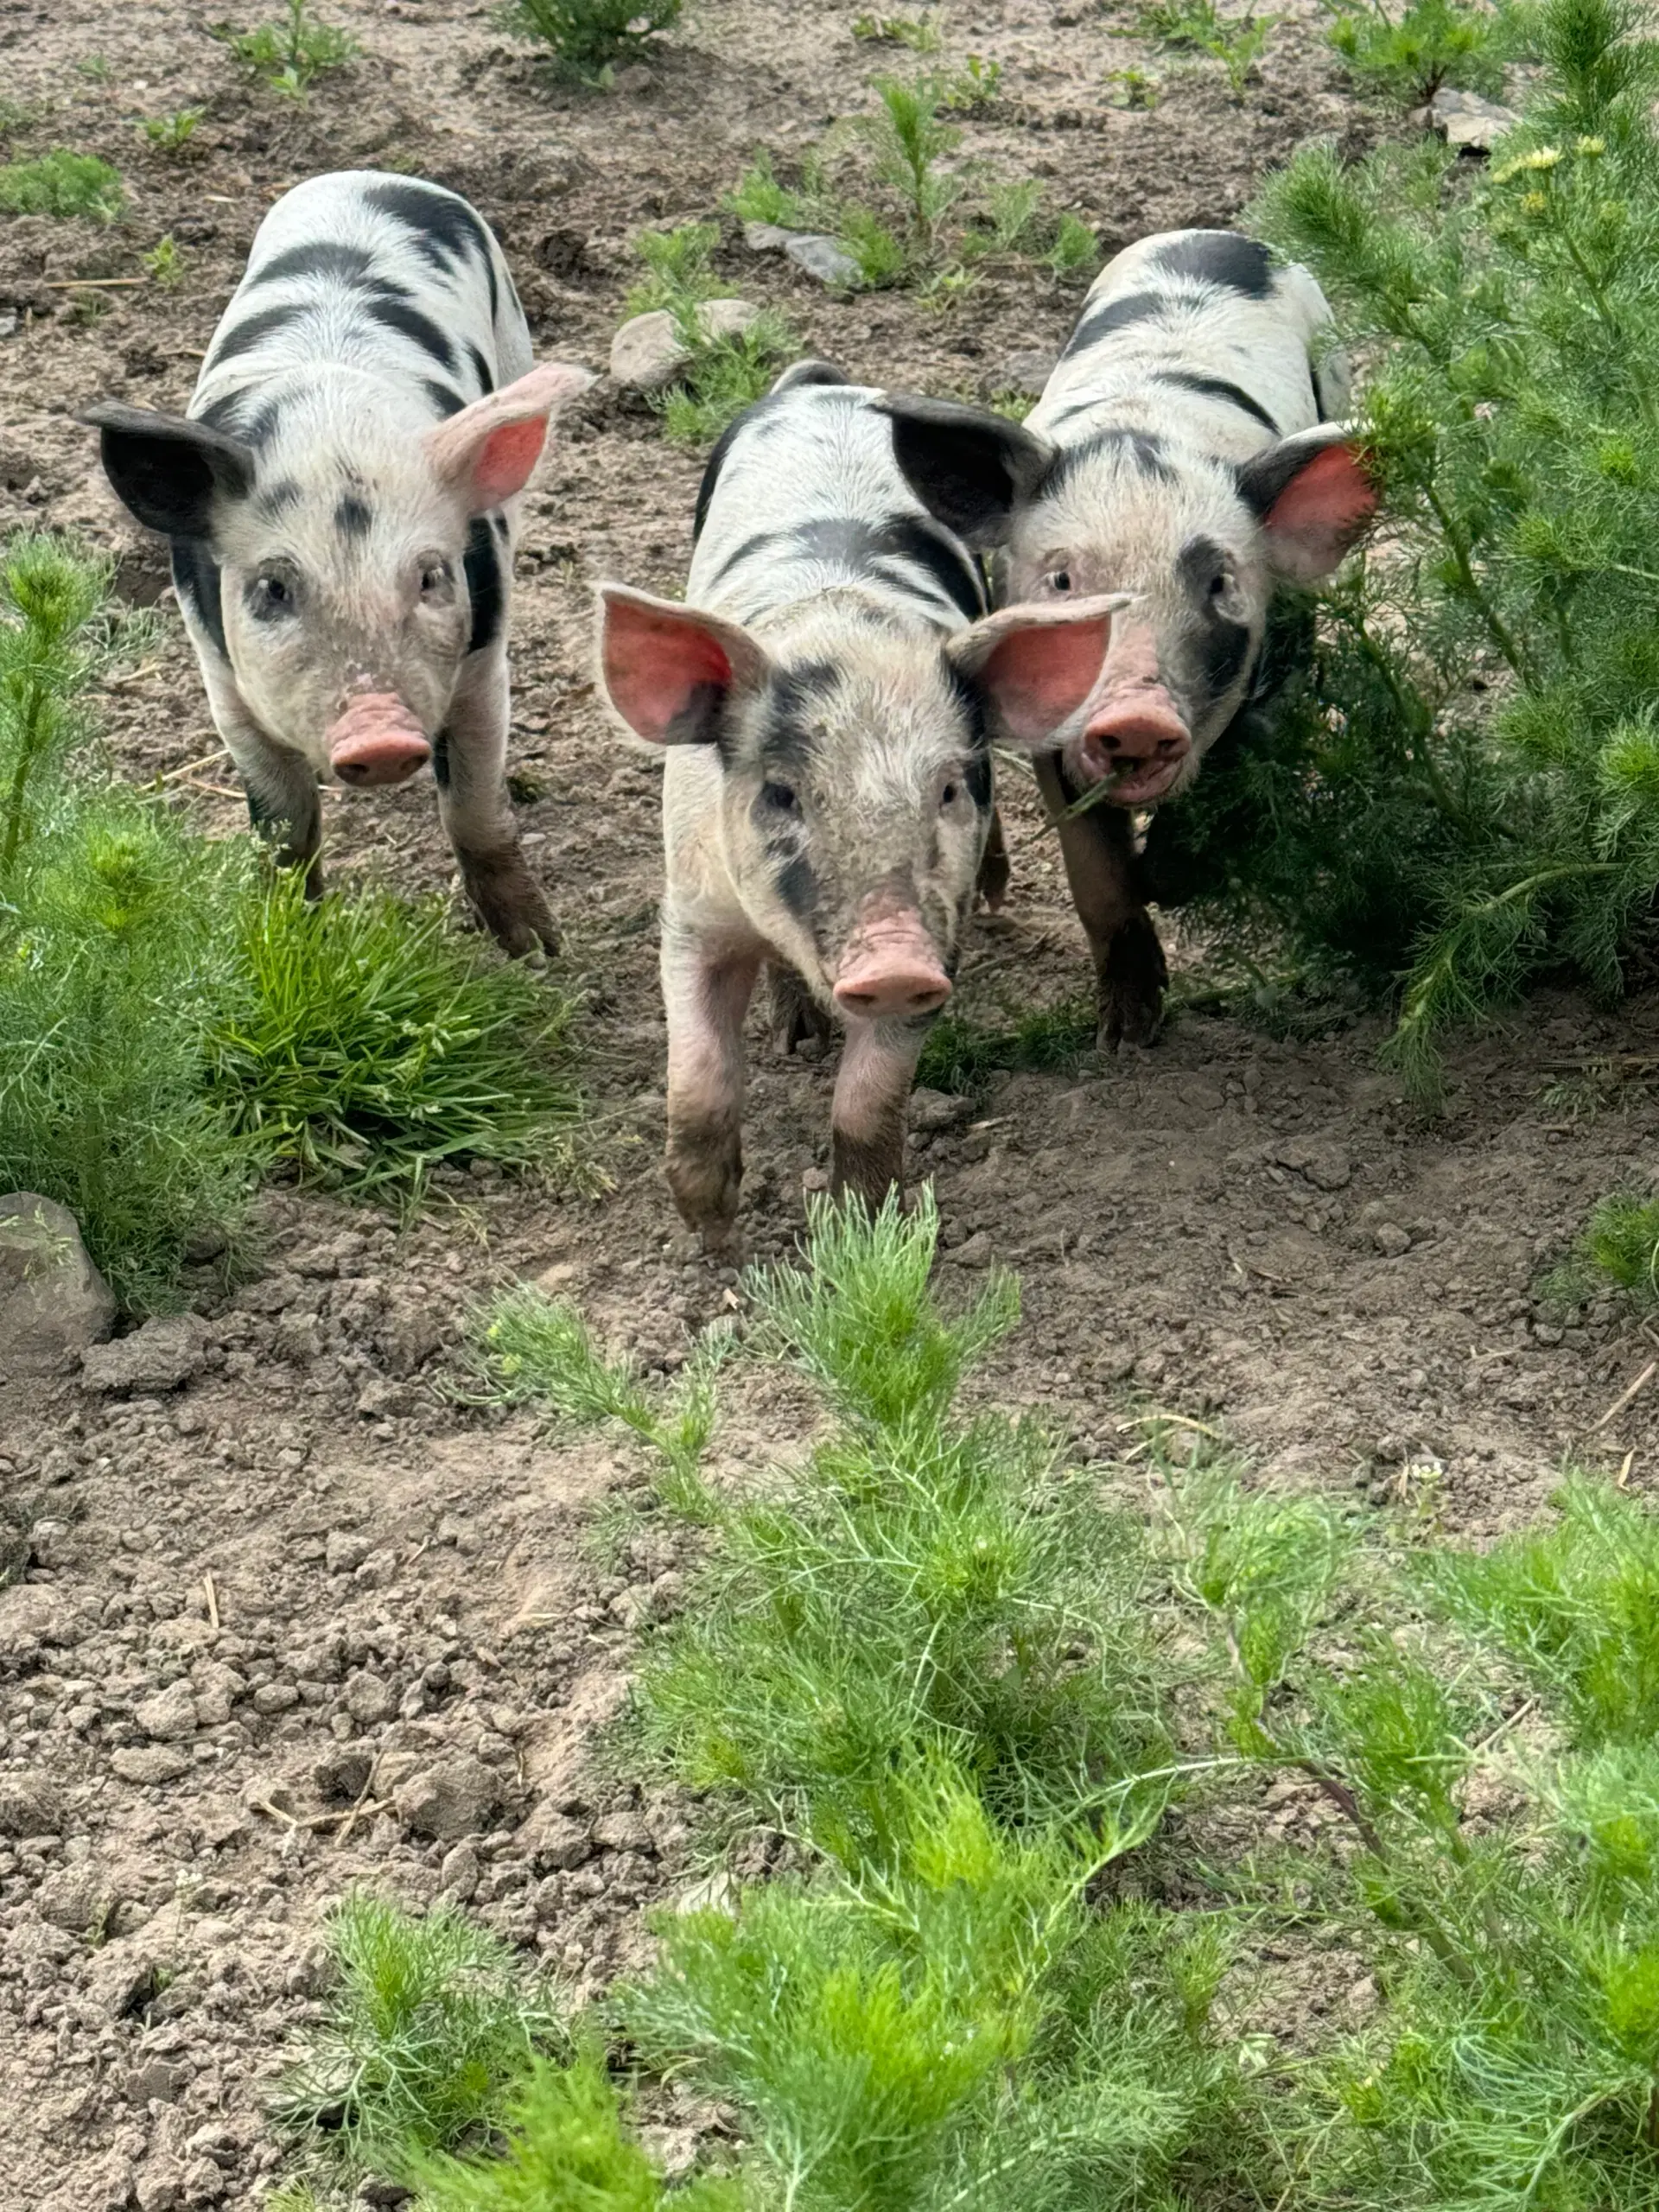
1189 448
827 696
342 504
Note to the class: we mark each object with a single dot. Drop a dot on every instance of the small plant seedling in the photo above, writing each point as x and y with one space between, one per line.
1133 88
1011 211
920 33
1075 251
291 55
977 85
1198 26
173 133
63 183
677 262
909 141
586 38
95 68
1408 55
163 260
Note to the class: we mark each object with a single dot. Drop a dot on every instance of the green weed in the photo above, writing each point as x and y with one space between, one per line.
588 37
976 86
173 133
920 33
907 142
63 183
373 1046
1075 249
95 68
1621 1246
1133 88
290 55
431 2028
1198 26
1407 55
723 373
678 265
962 1055
163 261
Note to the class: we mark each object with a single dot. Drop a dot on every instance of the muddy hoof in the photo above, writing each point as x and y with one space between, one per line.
1132 988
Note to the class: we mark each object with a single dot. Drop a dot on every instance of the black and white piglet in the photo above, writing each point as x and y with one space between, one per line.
829 696
1189 448
341 505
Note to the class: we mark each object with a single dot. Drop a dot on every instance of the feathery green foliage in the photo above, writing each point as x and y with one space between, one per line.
723 372
175 132
1478 832
1406 55
588 37
1198 26
962 1055
1622 1245
63 183
432 2026
374 1044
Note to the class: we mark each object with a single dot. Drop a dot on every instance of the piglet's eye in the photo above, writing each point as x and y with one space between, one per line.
435 578
947 796
1057 579
779 797
270 597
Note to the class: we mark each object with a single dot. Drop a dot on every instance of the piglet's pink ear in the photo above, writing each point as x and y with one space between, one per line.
487 452
667 669
1313 499
1036 665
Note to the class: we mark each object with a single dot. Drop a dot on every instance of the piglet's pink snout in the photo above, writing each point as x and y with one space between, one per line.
377 741
890 971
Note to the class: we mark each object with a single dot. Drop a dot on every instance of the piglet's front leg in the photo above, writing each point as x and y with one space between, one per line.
470 763
706 991
878 1066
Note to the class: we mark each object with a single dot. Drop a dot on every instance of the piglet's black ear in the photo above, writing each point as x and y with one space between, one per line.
970 469
166 470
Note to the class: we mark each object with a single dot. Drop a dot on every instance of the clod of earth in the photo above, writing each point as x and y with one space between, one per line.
1026 372
648 352
1468 123
30 1804
449 1800
54 1303
162 1355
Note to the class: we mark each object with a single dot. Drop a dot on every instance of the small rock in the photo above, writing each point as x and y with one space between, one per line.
297 1338
1325 1164
975 1251
647 353
159 2186
1026 372
162 1355
74 1898
553 1843
54 1303
271 1296
149 1763
30 1804
157 2077
343 1553
1390 1239
449 1800
624 1831
459 1875
821 257
381 1398
767 237
204 2181
272 1698
170 1717
369 1700
122 1976
1467 122
938 1109
8 322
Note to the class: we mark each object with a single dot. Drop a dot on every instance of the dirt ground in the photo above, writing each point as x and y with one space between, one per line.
307 1578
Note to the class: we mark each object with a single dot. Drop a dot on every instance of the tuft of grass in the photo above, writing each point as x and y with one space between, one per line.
1198 26
163 260
373 1045
961 1055
63 183
1137 89
431 2028
723 373
587 38
1621 1246
173 133
292 54
1075 250
1406 53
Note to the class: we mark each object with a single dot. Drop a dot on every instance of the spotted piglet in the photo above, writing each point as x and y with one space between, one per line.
829 696
342 503
1188 449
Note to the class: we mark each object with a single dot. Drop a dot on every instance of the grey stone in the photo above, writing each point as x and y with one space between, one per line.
272 1698
162 1355
1388 1237
976 1252
271 1296
647 353
74 1898
149 1763
382 1396
823 257
344 1552
369 1700
8 322
553 1843
459 1875
938 1109
122 1975
1466 122
624 1831
170 1717
1026 372
30 1804
1326 1165
343 1773
451 1799
767 237
54 1303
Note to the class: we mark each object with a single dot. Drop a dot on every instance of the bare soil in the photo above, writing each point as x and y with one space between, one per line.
369 1593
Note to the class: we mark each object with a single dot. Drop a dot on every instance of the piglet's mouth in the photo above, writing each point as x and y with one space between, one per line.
1131 783
377 741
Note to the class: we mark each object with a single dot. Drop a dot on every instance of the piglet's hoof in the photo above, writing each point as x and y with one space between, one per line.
1132 988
